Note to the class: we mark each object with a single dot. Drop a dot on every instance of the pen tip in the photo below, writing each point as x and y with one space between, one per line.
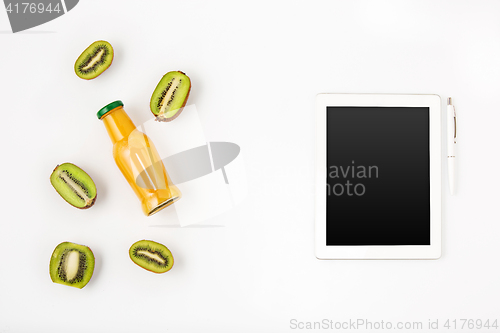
449 100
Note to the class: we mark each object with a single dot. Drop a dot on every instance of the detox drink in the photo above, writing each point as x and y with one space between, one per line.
138 160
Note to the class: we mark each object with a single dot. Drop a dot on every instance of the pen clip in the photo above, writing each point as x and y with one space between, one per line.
455 121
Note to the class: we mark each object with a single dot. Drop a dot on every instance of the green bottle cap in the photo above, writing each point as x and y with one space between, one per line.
108 108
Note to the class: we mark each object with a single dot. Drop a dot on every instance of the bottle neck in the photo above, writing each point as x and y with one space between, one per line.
118 124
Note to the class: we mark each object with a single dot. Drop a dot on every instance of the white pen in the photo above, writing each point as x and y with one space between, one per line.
452 141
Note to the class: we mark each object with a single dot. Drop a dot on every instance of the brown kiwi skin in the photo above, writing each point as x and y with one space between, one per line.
91 203
180 109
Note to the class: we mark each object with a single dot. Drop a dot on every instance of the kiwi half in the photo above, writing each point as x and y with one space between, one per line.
170 96
152 256
94 60
72 265
74 185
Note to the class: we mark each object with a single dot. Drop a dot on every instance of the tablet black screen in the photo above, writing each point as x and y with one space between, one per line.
378 185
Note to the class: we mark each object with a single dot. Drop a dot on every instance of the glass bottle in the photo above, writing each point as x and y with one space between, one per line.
138 160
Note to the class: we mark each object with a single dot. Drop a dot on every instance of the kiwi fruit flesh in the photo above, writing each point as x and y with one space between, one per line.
152 256
74 185
72 265
94 60
170 96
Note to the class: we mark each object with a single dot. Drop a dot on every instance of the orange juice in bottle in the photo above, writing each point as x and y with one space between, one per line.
137 158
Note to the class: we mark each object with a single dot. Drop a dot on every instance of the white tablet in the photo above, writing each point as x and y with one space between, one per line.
378 176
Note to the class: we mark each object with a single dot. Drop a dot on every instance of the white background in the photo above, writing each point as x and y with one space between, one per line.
256 68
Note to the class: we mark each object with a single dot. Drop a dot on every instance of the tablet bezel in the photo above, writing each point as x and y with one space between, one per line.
433 251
